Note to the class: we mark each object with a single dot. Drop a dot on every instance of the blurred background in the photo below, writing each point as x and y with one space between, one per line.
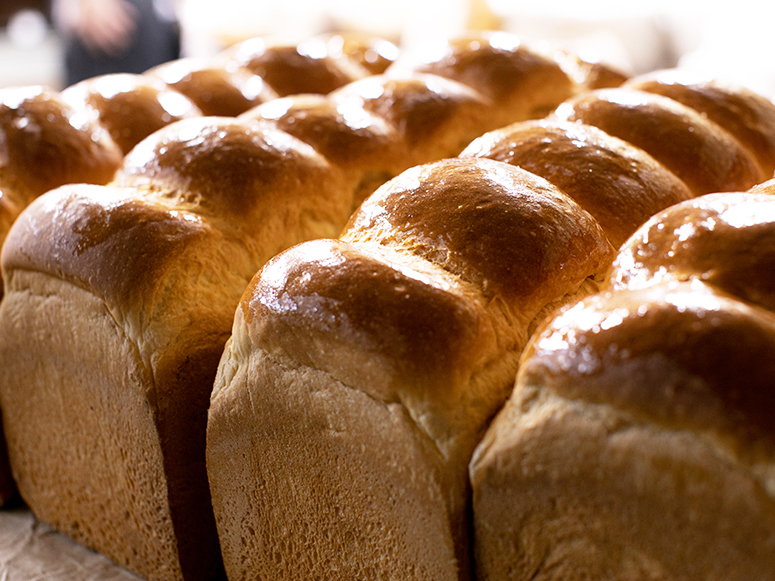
729 40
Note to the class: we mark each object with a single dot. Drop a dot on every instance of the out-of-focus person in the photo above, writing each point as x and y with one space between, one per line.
115 36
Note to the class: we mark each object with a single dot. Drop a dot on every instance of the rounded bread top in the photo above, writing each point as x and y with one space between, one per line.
746 115
218 89
520 82
700 152
130 106
616 182
587 73
726 240
679 355
292 69
435 116
505 230
370 319
228 168
45 143
345 133
109 240
373 53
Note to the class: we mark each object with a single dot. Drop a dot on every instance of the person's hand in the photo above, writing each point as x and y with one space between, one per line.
106 26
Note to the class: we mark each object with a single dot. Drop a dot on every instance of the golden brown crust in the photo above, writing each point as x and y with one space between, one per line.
217 88
726 240
746 115
129 106
436 117
373 53
95 225
236 171
381 323
685 357
365 147
493 225
423 306
520 82
292 69
698 151
589 74
39 130
635 412
620 185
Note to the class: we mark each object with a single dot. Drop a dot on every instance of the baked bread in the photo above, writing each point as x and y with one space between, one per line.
588 73
422 110
205 201
619 184
700 152
362 371
291 69
132 310
45 143
129 106
521 82
726 240
373 53
367 148
638 444
195 210
746 115
218 88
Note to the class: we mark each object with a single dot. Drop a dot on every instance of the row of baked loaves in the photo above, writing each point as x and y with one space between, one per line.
80 135
362 369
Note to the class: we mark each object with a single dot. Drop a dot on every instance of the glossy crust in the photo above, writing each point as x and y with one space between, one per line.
367 148
520 82
700 152
589 74
204 199
435 117
640 420
373 53
130 107
292 69
726 240
746 115
218 88
39 130
619 184
408 330
45 143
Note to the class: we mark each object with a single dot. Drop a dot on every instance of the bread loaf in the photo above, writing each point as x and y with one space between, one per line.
350 454
129 106
638 440
215 87
726 240
131 343
362 371
44 143
618 183
121 297
700 152
746 115
291 69
637 444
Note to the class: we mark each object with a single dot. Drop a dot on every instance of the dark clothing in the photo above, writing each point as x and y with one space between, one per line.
156 41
